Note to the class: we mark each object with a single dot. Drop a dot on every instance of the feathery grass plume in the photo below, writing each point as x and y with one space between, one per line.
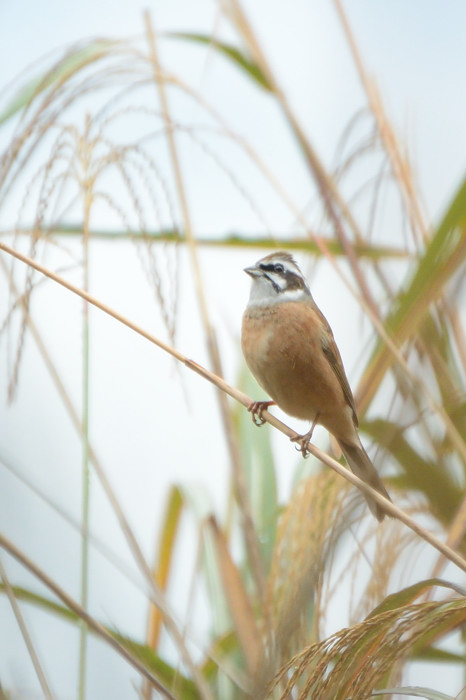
90 165
308 530
372 580
356 660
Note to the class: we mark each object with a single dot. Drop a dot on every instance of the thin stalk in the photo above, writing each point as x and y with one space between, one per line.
85 466
85 498
92 623
250 534
25 634
388 507
335 207
399 164
243 241
154 593
455 536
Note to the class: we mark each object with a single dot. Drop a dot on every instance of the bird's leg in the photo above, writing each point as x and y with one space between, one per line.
256 408
304 440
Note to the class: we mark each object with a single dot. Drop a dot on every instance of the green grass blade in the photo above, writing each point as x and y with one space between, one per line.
168 675
411 593
166 550
430 477
252 240
413 692
233 54
72 62
443 257
433 654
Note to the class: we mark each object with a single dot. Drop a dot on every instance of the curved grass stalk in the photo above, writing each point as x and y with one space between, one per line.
338 667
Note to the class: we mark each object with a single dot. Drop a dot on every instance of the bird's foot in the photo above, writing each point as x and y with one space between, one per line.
304 440
302 443
256 408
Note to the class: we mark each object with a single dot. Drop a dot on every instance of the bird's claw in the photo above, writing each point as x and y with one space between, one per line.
304 440
256 408
303 443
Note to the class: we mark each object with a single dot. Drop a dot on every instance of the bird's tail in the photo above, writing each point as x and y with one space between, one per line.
361 465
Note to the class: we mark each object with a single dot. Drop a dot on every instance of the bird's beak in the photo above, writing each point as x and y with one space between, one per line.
252 271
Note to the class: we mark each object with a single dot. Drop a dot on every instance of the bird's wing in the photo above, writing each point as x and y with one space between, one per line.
333 356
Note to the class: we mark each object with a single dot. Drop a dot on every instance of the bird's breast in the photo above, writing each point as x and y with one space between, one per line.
283 349
257 335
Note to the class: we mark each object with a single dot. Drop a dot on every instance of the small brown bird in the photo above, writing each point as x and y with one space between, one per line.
290 349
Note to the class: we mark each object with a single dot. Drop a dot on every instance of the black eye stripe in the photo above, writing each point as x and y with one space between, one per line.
272 267
290 280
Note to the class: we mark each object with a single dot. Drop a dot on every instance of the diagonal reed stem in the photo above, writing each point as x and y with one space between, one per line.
91 622
388 507
25 634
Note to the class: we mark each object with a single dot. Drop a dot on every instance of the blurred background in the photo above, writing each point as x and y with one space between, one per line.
150 152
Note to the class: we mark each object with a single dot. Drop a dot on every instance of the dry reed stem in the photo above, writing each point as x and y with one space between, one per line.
92 623
326 185
403 175
455 536
388 507
25 634
239 602
400 166
239 19
251 539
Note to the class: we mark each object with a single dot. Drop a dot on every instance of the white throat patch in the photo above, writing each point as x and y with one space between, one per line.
263 294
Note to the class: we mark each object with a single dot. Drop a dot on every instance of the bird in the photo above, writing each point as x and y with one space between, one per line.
289 347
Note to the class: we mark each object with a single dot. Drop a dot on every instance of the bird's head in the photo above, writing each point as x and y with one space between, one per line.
276 279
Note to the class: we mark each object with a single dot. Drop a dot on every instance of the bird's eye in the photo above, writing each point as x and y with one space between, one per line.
279 268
